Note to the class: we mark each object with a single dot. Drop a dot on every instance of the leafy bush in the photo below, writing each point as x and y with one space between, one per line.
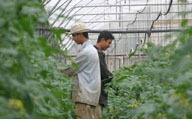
157 87
30 84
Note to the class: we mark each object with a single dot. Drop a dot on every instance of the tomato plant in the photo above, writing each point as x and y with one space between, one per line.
30 84
157 87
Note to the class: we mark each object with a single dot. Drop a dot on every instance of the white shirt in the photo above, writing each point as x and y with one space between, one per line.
88 90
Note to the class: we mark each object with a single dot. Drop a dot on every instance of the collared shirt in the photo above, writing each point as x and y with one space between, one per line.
88 83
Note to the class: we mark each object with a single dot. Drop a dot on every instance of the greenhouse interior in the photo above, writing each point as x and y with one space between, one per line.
149 58
132 22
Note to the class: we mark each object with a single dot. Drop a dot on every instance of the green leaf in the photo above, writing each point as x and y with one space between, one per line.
184 23
75 65
58 32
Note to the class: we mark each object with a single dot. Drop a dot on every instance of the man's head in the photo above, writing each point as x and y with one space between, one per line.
104 40
79 31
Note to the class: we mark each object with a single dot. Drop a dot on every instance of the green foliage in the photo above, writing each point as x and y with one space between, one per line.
157 87
32 87
30 84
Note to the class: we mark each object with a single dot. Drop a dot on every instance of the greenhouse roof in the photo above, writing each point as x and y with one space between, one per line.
102 14
121 16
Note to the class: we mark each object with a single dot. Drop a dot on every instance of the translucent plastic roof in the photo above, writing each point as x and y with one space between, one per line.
131 16
102 14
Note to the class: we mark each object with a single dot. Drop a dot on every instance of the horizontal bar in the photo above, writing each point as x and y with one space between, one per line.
123 31
90 14
118 5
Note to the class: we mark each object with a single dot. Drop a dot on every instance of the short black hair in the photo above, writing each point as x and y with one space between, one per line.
86 35
106 35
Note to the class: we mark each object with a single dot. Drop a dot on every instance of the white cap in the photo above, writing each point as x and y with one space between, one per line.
78 27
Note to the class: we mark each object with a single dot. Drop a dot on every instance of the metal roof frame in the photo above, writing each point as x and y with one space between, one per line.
103 16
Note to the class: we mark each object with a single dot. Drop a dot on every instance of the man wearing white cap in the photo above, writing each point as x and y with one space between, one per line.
87 81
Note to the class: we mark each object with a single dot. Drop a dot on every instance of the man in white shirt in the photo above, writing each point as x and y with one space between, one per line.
87 81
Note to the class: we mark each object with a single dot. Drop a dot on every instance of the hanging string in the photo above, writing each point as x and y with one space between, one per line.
160 14
151 27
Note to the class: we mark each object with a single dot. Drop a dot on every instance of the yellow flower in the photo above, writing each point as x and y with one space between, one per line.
160 115
135 104
182 99
111 110
17 104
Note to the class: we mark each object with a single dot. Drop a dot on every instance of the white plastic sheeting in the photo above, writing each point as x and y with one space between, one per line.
118 15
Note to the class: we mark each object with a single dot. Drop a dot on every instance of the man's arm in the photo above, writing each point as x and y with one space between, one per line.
69 71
